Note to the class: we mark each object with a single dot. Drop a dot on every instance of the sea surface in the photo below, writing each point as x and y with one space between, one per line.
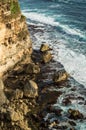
61 24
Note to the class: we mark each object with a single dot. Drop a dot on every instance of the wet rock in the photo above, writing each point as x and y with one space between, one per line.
53 124
72 123
46 98
31 68
60 76
61 127
72 129
30 89
57 110
47 57
3 98
44 47
75 114
66 101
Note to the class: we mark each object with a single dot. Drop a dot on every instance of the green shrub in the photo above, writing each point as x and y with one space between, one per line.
23 18
14 8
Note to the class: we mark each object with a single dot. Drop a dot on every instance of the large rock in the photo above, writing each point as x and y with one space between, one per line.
16 116
60 76
32 68
30 89
18 94
75 114
44 47
3 98
47 57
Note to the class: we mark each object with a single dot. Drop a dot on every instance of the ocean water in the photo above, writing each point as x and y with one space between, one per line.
64 23
61 24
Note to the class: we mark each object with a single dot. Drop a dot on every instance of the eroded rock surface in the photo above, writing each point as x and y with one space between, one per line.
15 42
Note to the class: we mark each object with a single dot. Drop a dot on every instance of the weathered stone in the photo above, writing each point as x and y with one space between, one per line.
16 116
57 110
31 68
24 108
60 76
24 125
44 47
18 94
53 124
47 57
30 89
75 114
3 98
15 41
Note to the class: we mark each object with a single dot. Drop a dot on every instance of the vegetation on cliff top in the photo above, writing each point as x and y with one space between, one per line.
14 8
10 5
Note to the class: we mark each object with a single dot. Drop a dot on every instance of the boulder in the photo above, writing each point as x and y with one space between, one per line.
57 110
31 68
24 108
24 125
75 114
3 98
30 89
47 57
60 76
44 47
16 116
18 94
66 101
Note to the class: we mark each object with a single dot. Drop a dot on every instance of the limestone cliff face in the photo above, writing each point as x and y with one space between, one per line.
15 42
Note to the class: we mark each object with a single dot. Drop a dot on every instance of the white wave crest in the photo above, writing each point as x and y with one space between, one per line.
51 21
73 62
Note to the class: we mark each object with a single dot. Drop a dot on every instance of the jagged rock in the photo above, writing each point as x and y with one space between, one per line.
24 125
53 124
31 68
66 101
72 123
47 57
18 94
60 76
75 114
3 98
24 108
30 89
44 47
16 116
57 110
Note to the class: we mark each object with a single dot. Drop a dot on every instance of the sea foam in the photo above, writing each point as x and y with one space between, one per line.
39 17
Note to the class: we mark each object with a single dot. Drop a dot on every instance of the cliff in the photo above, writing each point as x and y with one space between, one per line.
15 42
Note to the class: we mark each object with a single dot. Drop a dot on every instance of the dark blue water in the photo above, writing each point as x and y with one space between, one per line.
64 24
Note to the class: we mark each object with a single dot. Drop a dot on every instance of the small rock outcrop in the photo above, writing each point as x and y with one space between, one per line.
46 54
46 57
60 76
75 114
3 98
44 47
31 89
